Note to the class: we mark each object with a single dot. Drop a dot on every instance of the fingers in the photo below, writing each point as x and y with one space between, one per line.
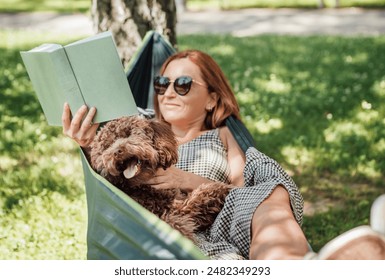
87 122
66 117
88 128
80 128
77 119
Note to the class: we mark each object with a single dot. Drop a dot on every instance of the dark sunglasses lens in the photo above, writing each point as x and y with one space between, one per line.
182 85
161 84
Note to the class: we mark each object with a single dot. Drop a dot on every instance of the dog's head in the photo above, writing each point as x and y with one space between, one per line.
133 148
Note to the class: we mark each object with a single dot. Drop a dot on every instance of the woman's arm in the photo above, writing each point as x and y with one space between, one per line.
235 156
275 234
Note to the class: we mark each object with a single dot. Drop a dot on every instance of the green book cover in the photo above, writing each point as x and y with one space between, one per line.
88 71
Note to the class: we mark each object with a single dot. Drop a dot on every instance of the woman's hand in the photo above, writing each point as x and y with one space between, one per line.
83 132
176 178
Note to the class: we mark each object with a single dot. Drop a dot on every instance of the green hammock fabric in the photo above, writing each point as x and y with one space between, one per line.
145 65
118 227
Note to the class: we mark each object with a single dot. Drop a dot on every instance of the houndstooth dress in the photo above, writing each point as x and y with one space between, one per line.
229 236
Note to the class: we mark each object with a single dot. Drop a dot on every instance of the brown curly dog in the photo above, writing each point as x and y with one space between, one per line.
129 150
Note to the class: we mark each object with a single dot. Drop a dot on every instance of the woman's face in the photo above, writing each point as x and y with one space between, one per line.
188 109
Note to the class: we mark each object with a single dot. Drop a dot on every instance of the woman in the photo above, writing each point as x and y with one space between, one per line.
260 220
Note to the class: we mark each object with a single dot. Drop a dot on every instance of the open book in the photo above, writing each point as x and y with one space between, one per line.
88 71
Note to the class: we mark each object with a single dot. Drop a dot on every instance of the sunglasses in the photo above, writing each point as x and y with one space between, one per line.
182 85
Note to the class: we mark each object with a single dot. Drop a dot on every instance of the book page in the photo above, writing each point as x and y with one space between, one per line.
53 81
101 77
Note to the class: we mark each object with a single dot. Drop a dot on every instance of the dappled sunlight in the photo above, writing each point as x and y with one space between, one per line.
379 88
367 115
366 105
7 162
247 96
358 58
223 49
338 130
273 85
379 147
369 169
265 127
357 142
299 158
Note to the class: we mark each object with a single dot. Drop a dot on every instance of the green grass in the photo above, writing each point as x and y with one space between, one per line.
239 4
315 104
75 6
60 6
42 200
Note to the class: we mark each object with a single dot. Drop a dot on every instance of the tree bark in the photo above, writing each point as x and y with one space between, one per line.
129 21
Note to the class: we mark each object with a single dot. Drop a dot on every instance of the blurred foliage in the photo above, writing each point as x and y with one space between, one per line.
315 104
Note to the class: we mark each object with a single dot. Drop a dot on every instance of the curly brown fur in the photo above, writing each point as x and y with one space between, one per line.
129 150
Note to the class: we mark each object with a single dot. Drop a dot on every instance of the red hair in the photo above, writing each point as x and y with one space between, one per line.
214 77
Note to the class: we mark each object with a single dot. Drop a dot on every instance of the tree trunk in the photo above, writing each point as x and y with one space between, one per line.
129 21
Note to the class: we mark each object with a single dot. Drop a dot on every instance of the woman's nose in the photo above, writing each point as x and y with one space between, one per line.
170 91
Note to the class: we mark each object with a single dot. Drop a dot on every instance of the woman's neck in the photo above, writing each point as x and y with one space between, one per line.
187 133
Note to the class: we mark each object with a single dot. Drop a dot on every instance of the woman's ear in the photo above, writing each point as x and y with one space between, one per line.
212 102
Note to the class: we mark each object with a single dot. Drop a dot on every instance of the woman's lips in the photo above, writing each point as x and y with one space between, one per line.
170 104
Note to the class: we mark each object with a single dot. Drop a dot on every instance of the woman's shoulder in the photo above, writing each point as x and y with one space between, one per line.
226 136
229 140
235 155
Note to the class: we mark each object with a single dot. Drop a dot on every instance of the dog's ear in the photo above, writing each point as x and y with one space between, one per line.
165 143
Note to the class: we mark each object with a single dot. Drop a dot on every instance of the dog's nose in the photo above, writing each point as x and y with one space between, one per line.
118 152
